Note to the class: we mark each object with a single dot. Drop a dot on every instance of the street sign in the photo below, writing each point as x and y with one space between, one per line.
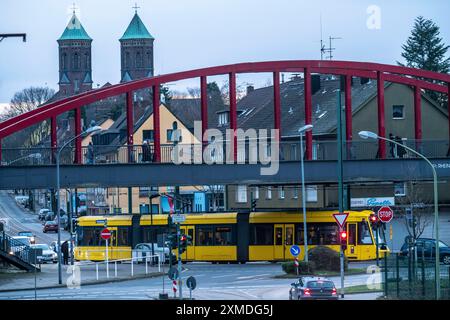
385 214
191 283
178 218
341 218
106 234
295 250
173 273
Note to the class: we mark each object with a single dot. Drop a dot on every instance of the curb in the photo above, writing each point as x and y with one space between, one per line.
89 283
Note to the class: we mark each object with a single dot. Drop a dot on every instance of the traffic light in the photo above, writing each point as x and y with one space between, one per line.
185 241
343 239
172 241
374 221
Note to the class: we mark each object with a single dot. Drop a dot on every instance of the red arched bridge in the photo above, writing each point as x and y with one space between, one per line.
418 79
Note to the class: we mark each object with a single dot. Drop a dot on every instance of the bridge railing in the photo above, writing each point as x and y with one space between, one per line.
247 153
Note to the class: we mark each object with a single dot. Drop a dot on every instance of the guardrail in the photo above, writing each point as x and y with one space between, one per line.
248 152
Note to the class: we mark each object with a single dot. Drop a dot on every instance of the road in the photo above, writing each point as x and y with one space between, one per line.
252 281
18 219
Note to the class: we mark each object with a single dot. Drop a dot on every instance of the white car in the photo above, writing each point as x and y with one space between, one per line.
19 244
143 250
48 255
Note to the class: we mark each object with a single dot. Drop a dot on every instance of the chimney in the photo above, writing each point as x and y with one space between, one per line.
315 83
250 89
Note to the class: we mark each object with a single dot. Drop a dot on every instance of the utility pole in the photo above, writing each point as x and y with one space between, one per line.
340 180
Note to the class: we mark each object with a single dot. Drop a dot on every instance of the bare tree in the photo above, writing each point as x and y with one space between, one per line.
194 92
27 100
421 211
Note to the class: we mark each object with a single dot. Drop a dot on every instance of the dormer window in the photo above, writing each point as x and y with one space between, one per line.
223 118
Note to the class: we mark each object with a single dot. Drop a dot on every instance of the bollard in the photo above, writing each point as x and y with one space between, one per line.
423 273
146 265
96 269
132 271
115 269
159 264
385 276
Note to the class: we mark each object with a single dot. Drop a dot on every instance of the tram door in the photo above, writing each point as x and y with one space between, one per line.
283 240
113 251
352 248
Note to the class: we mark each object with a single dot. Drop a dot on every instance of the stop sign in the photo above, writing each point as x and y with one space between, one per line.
385 214
106 234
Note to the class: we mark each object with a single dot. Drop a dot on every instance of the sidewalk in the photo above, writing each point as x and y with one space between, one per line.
82 275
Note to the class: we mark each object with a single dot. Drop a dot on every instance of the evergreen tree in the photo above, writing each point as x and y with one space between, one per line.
425 49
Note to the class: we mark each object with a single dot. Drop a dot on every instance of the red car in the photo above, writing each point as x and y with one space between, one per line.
50 226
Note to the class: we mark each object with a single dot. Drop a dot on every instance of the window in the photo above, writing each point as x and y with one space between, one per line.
281 192
138 60
311 193
364 233
400 189
169 135
223 118
269 193
294 152
295 193
261 234
398 112
319 234
204 236
76 61
256 193
123 237
148 135
241 194
223 236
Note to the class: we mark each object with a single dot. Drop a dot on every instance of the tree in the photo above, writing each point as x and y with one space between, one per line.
24 101
425 49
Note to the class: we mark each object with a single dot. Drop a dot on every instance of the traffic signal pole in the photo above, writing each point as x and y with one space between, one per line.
180 287
340 179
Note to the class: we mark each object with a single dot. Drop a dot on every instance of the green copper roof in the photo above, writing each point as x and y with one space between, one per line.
74 30
136 30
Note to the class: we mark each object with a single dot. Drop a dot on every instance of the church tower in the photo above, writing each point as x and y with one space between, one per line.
136 50
75 67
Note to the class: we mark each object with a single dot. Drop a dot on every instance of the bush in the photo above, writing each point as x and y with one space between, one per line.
303 267
326 259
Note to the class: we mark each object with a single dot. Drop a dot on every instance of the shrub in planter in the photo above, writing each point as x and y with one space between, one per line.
326 259
303 267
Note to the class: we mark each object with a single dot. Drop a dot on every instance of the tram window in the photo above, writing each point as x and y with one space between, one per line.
364 233
123 237
299 235
191 234
262 234
204 236
319 234
289 236
352 234
278 236
223 236
90 236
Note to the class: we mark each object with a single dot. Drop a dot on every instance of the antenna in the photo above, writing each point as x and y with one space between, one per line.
328 50
322 47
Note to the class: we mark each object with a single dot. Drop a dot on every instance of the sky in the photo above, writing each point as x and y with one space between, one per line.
191 34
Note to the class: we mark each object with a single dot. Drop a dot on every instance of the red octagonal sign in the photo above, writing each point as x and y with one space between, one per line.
385 214
106 234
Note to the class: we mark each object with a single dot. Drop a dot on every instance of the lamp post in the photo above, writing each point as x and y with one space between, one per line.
301 131
372 135
58 154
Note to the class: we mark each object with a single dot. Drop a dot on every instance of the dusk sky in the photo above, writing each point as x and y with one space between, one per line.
200 33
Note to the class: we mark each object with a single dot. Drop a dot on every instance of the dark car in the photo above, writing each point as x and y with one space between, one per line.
50 226
426 247
309 288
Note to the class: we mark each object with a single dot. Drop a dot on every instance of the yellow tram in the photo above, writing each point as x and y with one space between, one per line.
229 237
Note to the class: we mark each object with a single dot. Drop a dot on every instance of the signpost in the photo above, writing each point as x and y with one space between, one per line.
341 218
106 234
295 251
191 283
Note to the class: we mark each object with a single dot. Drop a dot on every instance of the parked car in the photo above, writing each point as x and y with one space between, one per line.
28 234
427 248
18 244
308 288
43 213
48 255
143 250
50 226
49 216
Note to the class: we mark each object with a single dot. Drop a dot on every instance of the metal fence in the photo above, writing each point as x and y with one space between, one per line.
413 278
247 152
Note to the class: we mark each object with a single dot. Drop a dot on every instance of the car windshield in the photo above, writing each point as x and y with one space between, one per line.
41 246
320 284
442 245
50 222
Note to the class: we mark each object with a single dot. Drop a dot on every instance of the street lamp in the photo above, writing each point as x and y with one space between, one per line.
58 154
301 131
372 135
